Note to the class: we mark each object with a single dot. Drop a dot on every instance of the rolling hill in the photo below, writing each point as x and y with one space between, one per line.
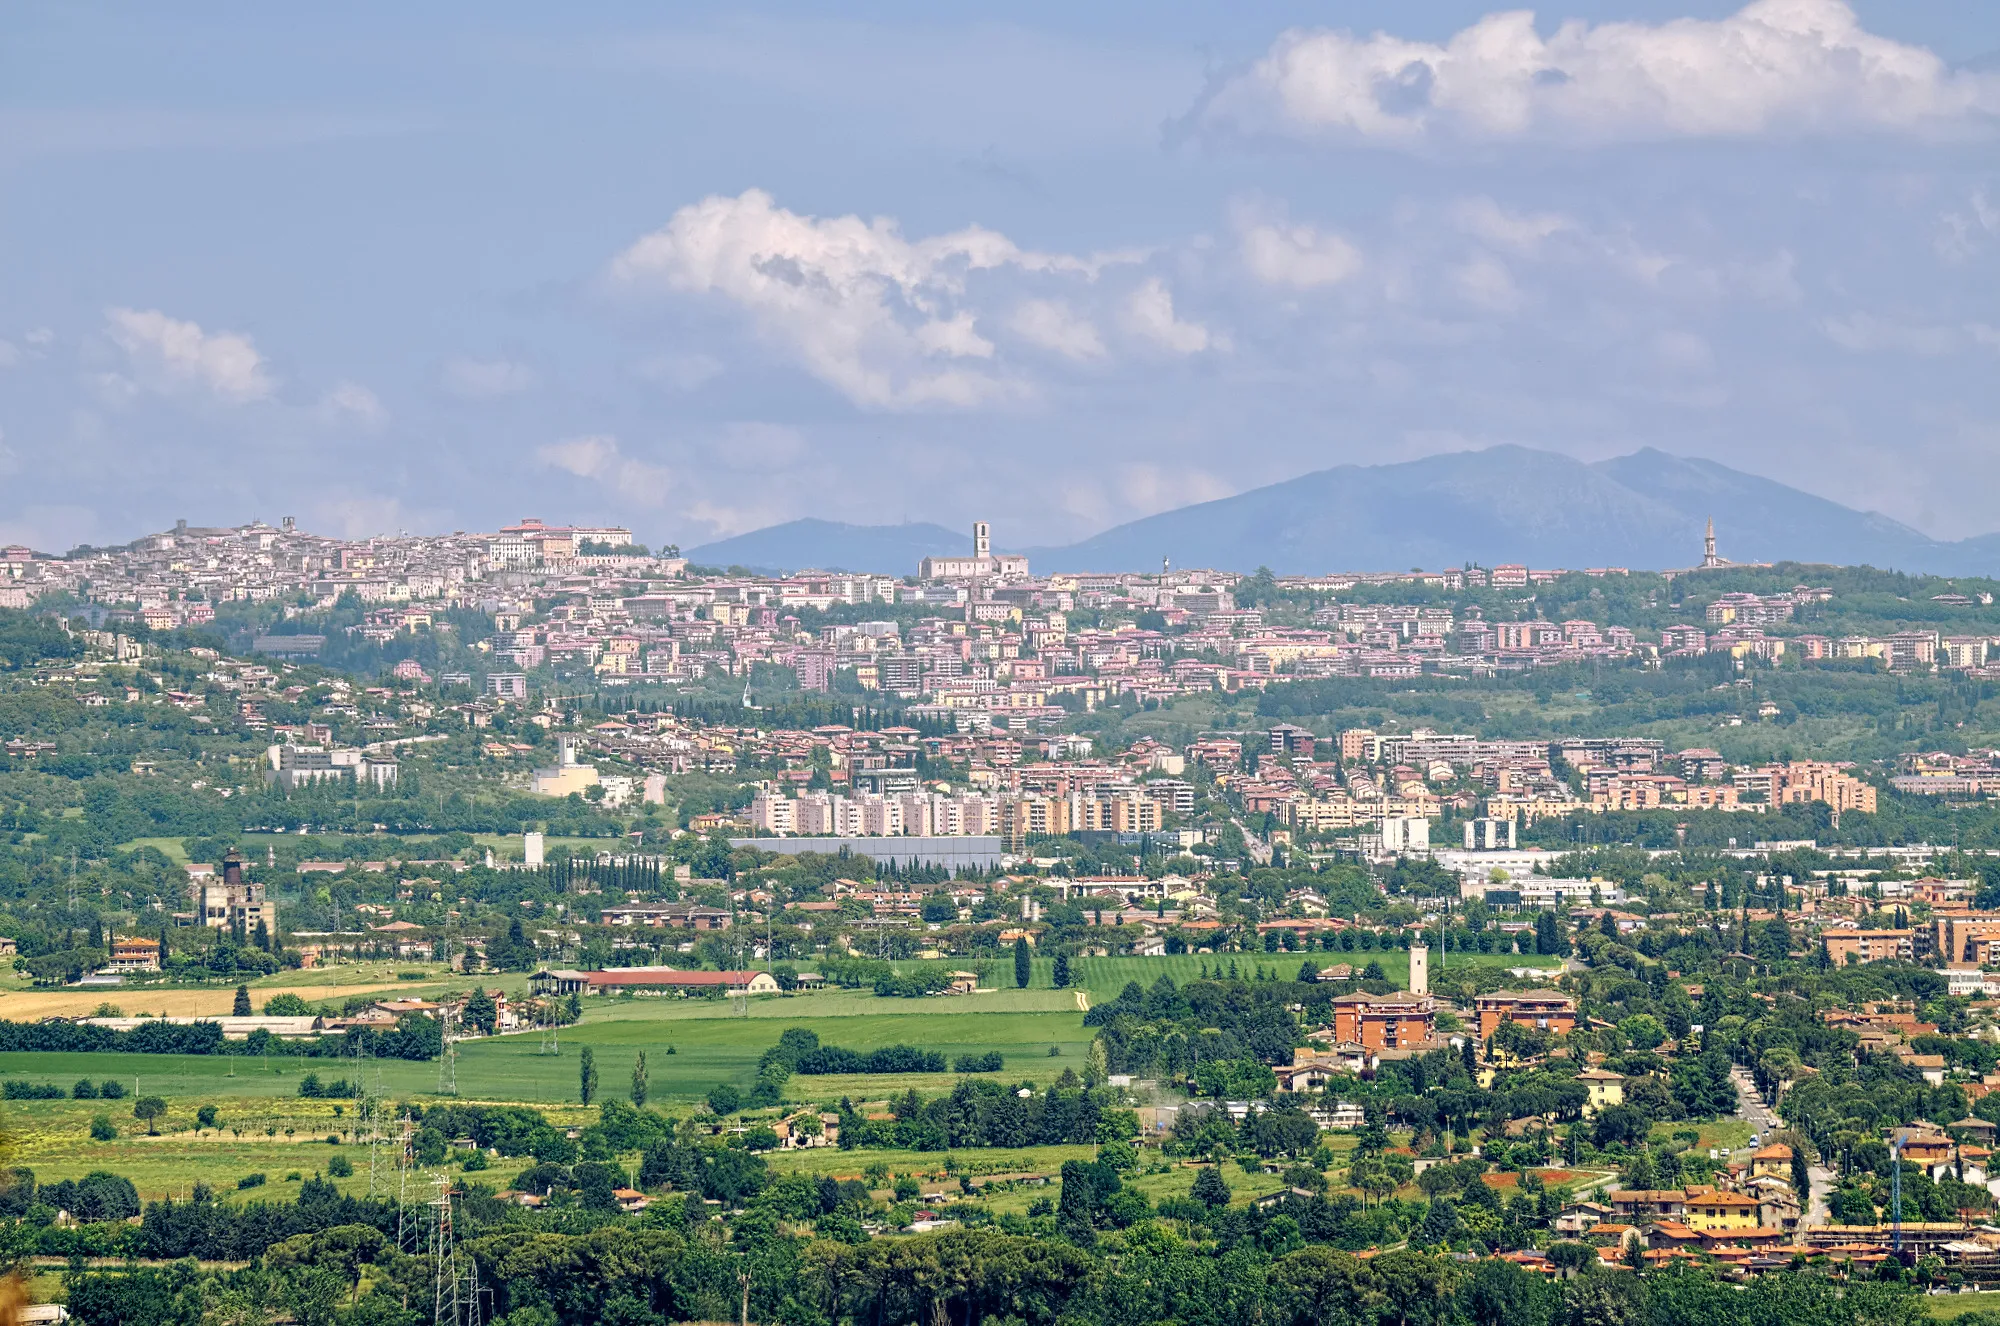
1505 504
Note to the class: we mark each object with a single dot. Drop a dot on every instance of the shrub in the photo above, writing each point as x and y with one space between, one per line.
16 1089
111 1089
85 1089
250 1181
340 1167
476 1161
102 1129
990 1062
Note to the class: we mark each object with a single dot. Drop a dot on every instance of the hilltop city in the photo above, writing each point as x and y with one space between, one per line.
1549 921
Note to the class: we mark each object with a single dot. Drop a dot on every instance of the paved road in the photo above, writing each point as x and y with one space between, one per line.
1750 1107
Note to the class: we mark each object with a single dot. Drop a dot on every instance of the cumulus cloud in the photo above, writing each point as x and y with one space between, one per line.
486 379
597 457
1780 67
1053 325
169 354
1286 254
883 319
352 403
1149 314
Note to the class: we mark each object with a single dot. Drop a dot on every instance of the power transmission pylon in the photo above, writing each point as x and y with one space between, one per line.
407 1233
447 1057
446 1299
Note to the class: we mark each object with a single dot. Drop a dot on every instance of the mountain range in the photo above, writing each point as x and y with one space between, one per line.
1645 511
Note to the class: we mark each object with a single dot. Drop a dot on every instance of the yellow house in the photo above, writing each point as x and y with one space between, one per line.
1773 1162
1606 1089
1711 1211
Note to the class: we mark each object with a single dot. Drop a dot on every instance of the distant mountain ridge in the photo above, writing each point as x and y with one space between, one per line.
830 545
1644 511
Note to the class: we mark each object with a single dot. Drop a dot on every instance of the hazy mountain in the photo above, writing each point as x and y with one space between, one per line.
1645 511
830 545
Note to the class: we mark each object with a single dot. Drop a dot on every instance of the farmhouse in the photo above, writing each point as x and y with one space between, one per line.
662 979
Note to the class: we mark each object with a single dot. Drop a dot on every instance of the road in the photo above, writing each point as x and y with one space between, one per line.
1751 1109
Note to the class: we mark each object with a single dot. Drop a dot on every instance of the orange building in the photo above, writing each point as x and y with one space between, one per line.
1541 1009
1384 1022
1845 946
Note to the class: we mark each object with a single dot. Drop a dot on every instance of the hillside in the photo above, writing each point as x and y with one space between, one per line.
1504 504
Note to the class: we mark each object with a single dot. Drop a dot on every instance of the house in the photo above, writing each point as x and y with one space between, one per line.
1579 1218
1606 1089
1977 1129
1712 1212
662 979
1775 1161
1648 1204
631 1199
134 955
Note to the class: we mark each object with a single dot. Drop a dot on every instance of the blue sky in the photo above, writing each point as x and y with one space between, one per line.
700 269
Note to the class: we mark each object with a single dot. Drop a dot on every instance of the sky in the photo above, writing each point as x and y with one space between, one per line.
699 269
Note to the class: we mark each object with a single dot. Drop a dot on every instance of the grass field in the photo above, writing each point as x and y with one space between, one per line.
691 1046
1952 1306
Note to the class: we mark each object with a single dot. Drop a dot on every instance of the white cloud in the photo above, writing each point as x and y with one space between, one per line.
1484 280
350 402
1283 253
1774 67
597 457
862 308
485 379
1149 313
169 354
1053 325
1523 232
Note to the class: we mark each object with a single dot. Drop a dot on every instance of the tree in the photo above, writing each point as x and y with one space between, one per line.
639 1080
1308 974
1548 935
724 1099
481 1013
1061 976
149 1110
241 1008
1023 963
1209 1188
586 1074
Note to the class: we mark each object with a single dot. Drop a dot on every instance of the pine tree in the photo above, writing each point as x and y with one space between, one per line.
639 1080
1061 977
241 1007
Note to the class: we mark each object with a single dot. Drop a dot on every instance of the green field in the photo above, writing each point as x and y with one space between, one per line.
691 1046
1951 1306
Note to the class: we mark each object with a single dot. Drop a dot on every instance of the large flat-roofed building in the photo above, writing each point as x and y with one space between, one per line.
1553 1013
983 564
1384 1022
1854 946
